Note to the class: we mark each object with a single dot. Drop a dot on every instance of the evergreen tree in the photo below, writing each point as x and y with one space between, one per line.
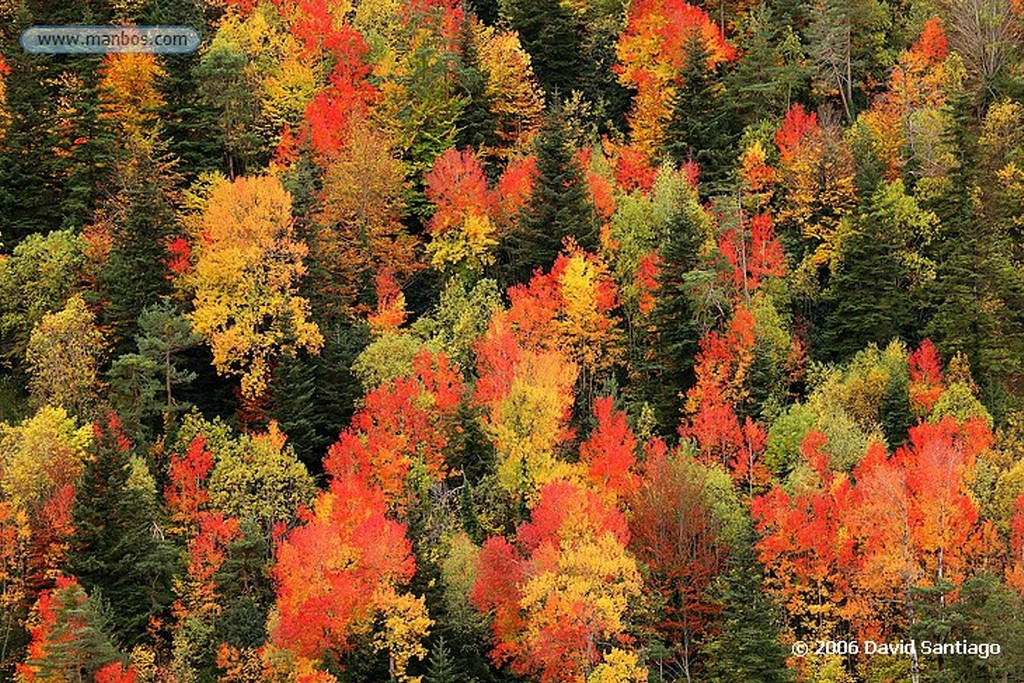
188 115
71 640
55 153
872 294
559 207
553 36
442 666
771 76
746 648
977 296
609 100
477 127
314 396
987 611
700 128
667 356
142 220
163 336
142 383
116 550
246 589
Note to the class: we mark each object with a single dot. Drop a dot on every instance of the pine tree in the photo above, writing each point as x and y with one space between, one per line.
976 296
559 208
142 215
477 127
869 293
163 336
672 341
69 639
442 667
56 152
747 647
314 396
117 551
772 74
700 129
553 37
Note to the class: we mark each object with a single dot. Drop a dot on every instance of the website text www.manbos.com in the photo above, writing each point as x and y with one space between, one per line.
104 39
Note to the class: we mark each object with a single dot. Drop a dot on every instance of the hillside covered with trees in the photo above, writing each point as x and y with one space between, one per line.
537 341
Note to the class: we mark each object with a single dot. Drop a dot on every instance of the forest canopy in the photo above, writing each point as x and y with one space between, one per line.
551 341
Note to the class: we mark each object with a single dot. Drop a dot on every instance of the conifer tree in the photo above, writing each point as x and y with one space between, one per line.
700 127
747 647
874 296
975 300
672 341
559 208
553 37
442 666
117 551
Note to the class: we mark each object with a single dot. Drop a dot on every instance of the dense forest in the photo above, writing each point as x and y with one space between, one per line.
555 341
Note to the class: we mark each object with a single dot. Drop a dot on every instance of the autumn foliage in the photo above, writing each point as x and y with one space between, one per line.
560 588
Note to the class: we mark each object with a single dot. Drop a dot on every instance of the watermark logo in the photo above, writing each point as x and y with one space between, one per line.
91 40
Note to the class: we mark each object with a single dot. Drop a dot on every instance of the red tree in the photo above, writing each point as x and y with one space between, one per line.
675 533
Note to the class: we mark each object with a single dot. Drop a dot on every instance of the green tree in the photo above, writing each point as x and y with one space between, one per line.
701 127
69 639
559 207
225 90
877 295
56 152
117 551
141 221
771 76
164 335
442 667
667 357
746 648
977 297
554 39
63 358
38 277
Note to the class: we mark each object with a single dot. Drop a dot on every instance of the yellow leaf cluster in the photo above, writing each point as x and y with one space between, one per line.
471 243
245 280
406 625
529 423
618 666
29 452
516 99
594 337
131 95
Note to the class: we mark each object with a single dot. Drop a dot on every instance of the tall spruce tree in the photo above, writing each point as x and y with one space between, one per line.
667 358
977 297
553 36
701 129
116 550
873 296
142 215
746 647
559 207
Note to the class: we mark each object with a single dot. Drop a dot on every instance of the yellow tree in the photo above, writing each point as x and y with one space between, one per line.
515 98
248 262
129 91
358 229
63 357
